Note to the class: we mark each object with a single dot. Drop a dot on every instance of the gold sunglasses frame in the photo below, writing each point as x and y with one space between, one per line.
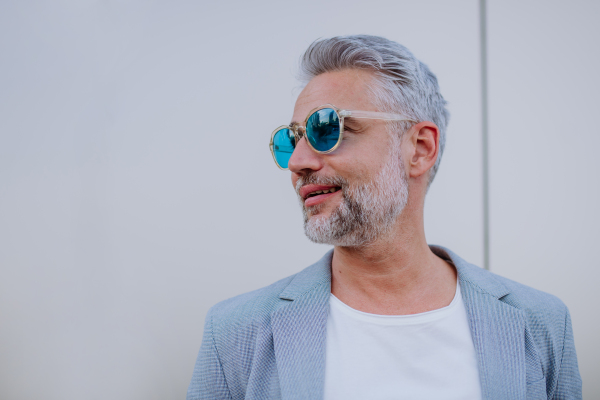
300 130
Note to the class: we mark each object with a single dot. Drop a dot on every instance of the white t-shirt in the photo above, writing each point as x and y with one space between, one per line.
419 356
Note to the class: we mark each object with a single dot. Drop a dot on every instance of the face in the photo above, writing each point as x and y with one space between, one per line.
355 194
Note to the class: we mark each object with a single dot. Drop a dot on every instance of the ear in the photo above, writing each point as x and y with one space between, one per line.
424 139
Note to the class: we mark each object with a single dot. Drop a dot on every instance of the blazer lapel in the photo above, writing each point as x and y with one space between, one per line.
299 329
498 332
497 328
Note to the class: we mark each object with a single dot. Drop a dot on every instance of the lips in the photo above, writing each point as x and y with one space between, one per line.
315 194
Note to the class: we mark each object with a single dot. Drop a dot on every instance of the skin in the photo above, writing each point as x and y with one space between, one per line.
397 274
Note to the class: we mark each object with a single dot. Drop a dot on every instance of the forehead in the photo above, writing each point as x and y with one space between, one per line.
347 89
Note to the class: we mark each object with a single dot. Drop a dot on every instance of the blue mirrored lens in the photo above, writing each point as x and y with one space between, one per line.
323 129
284 143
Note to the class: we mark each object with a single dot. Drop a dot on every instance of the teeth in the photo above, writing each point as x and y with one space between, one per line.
331 190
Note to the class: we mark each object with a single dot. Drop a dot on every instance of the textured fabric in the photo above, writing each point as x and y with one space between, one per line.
426 356
270 343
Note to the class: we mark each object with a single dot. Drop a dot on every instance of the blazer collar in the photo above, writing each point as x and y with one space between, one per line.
320 272
306 280
497 329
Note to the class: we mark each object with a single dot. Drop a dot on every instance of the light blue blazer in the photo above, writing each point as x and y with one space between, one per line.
270 343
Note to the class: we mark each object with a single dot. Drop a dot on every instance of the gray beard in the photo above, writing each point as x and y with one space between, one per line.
367 210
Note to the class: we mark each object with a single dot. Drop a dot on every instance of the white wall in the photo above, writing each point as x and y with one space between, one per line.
544 163
137 189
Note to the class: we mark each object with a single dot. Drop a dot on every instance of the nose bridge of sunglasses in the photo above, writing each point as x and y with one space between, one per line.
299 132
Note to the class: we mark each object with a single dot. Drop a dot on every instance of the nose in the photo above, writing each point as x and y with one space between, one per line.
304 159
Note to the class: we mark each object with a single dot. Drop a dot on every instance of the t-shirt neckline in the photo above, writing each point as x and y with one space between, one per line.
408 319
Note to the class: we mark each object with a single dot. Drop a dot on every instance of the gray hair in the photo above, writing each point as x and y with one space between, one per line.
405 84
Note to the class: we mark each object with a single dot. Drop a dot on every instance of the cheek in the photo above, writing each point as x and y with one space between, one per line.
371 148
365 162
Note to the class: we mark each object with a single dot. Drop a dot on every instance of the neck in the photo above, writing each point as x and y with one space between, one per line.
395 275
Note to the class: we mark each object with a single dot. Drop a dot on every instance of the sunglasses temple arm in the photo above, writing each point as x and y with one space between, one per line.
374 115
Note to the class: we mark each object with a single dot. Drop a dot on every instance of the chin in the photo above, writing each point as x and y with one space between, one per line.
315 211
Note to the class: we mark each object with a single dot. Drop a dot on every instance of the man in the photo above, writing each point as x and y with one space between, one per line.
383 315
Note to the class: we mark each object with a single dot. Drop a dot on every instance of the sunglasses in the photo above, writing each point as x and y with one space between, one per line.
323 128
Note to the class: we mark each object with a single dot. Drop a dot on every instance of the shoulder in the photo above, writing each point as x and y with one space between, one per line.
516 294
547 317
545 313
532 302
252 311
249 307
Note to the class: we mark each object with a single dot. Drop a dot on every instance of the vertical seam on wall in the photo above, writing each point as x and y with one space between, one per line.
484 132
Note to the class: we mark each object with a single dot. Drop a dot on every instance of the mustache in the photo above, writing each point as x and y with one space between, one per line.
314 179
